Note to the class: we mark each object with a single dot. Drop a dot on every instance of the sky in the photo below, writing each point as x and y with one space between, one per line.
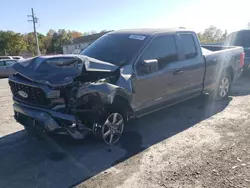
88 15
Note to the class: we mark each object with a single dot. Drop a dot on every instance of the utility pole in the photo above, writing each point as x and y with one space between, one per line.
34 20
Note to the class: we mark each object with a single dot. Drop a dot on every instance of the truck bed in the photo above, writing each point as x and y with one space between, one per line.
219 47
228 54
218 58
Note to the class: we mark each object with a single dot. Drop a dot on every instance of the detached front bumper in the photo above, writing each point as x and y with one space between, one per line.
47 120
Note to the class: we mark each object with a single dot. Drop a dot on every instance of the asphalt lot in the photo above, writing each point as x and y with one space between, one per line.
198 143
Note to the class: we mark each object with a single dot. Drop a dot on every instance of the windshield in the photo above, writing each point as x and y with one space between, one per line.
118 49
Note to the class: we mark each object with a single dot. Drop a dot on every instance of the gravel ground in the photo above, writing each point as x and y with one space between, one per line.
198 143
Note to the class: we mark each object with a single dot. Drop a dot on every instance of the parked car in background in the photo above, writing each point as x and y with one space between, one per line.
17 57
6 69
241 38
6 57
11 57
122 75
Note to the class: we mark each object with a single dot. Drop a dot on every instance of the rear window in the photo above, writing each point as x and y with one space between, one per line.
241 38
189 46
118 49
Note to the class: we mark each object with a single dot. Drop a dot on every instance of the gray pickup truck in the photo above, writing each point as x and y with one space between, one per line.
122 75
241 38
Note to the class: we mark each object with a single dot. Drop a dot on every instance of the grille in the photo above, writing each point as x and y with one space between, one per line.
35 95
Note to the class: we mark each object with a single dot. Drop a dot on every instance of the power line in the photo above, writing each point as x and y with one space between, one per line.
34 20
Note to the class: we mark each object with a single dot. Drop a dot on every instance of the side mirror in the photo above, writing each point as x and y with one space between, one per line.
150 65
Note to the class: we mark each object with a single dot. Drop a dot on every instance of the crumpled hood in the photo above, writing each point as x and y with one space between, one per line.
42 70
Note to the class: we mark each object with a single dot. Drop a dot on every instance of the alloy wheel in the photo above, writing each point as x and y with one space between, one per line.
112 128
224 87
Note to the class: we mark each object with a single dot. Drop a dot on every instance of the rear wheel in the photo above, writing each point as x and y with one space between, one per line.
223 88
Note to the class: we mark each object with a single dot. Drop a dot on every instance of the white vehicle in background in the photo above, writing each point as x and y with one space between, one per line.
17 57
6 67
11 57
5 57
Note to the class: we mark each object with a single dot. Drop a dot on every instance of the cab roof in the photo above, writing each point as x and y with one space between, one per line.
151 32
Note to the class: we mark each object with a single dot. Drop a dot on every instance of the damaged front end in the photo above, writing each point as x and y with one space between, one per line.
67 94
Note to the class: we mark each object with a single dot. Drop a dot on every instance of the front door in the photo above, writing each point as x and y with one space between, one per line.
150 88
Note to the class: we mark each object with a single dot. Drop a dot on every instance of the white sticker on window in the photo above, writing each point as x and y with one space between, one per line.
138 37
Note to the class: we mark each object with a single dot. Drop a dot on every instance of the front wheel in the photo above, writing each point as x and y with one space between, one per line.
223 88
111 129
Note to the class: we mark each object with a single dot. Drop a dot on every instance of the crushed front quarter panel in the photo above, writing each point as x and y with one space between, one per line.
108 91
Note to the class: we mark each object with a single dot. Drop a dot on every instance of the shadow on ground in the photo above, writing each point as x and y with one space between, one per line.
61 162
241 87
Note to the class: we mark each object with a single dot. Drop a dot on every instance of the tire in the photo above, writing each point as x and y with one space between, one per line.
111 127
223 86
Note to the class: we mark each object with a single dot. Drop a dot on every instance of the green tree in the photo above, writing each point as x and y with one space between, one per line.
211 34
12 43
74 34
224 36
55 40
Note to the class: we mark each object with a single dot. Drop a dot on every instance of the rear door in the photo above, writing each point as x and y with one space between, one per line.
189 71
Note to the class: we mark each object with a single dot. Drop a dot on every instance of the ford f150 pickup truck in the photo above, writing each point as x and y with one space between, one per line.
122 75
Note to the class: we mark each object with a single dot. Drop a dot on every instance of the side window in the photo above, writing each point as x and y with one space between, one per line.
1 63
162 48
189 46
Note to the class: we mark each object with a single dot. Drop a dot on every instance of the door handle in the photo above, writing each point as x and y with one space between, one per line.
178 72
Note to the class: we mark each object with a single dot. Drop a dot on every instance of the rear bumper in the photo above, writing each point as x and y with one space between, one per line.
46 120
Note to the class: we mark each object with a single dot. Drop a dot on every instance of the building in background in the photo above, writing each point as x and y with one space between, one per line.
81 43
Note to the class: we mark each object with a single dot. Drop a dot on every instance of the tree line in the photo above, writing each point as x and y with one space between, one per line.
12 43
212 34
